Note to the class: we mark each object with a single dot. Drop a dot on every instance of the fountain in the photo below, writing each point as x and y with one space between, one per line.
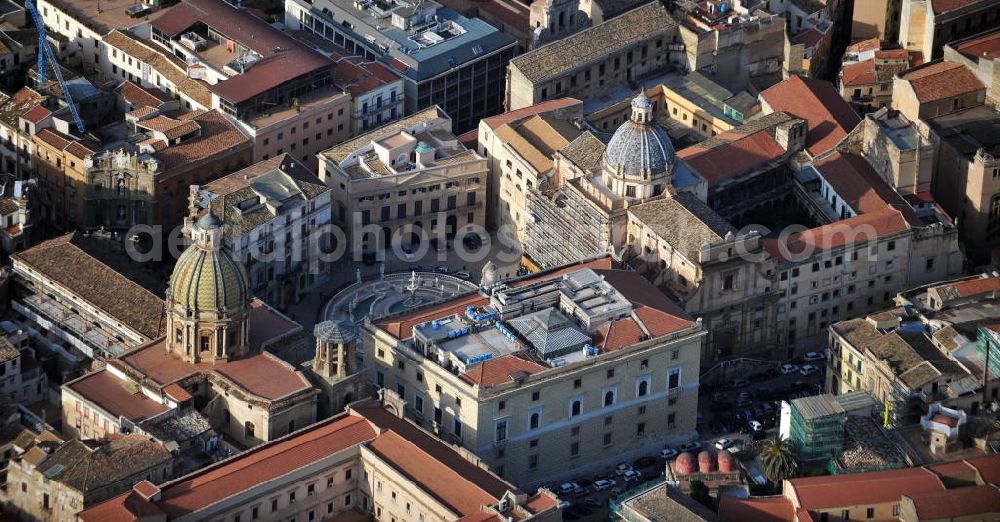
411 286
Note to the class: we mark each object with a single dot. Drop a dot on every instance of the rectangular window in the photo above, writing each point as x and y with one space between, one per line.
674 378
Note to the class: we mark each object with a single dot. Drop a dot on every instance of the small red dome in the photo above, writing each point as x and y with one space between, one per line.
727 462
706 463
684 464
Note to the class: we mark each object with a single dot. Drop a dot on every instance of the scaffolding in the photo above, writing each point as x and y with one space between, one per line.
563 228
817 427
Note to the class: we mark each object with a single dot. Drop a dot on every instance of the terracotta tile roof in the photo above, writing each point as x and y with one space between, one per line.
977 286
988 468
258 465
53 138
763 509
854 179
957 503
177 393
945 6
498 370
141 97
985 47
75 262
735 155
37 114
128 507
809 38
78 466
536 138
173 69
359 77
829 118
433 447
614 35
23 101
861 73
283 58
218 137
941 80
683 221
870 44
79 149
546 106
651 307
899 54
618 334
855 489
441 481
855 230
109 393
141 111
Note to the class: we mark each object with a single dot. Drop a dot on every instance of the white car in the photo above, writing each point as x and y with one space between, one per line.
788 368
570 487
408 254
441 269
722 444
755 425
632 475
622 469
601 485
814 356
808 369
463 274
669 453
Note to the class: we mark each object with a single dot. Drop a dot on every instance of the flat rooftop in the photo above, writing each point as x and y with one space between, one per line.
102 16
426 48
897 128
970 130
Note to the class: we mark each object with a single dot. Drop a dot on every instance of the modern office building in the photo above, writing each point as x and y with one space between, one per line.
444 58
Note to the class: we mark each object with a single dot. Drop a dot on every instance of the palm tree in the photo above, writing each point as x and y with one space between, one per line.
778 458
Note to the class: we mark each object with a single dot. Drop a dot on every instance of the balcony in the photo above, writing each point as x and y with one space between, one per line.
70 326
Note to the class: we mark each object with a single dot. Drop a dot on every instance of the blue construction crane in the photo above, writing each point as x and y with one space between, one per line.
45 55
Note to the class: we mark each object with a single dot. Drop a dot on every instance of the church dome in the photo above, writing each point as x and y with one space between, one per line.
640 149
207 277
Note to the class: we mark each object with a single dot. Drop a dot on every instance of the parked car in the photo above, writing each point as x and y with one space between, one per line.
415 268
594 503
739 383
690 446
623 468
441 269
570 488
742 403
632 476
788 368
669 453
408 253
808 369
603 484
463 274
722 444
755 425
814 356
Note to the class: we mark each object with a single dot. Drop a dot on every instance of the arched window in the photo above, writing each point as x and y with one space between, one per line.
643 388
533 420
575 408
248 429
609 398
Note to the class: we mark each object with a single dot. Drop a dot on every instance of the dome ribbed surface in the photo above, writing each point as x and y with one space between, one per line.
208 280
637 149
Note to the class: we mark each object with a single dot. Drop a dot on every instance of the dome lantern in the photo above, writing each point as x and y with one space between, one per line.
638 162
208 298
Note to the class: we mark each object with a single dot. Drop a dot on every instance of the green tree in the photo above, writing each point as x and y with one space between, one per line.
699 492
778 459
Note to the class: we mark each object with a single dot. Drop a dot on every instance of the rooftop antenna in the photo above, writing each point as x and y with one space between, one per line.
46 56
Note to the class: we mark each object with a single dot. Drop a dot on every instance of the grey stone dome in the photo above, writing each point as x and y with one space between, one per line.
640 149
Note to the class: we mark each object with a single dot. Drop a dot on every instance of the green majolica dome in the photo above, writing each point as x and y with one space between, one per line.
207 277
